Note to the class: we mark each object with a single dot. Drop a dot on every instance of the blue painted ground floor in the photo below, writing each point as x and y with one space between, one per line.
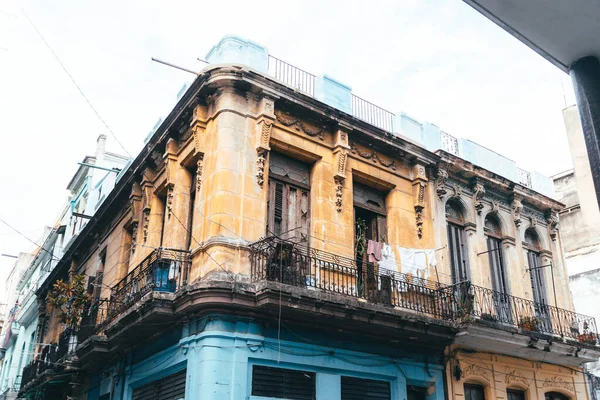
220 358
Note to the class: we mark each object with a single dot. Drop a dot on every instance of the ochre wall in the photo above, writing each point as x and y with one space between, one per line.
498 373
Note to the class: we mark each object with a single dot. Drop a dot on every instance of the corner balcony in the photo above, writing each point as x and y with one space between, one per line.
344 294
499 322
148 289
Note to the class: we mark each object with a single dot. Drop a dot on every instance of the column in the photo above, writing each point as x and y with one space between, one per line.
585 74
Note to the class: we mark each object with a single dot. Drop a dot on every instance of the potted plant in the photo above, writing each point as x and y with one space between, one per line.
587 337
528 323
488 317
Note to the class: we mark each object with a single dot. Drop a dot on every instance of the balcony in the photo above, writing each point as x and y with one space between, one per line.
282 261
556 331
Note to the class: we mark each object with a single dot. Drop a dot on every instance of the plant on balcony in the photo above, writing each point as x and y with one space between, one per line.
71 299
586 337
488 317
528 323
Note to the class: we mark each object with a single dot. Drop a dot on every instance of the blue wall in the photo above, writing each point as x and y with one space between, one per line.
219 355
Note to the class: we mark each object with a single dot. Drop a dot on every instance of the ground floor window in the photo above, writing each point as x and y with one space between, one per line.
365 389
169 387
512 394
283 383
474 392
555 396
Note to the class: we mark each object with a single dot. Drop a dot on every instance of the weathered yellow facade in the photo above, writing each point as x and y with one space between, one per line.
201 188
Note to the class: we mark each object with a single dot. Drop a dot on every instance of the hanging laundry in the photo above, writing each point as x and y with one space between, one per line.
431 260
388 258
407 261
374 251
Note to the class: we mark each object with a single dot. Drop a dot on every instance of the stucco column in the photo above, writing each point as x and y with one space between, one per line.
585 74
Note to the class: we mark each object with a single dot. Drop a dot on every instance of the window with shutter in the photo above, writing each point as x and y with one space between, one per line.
365 389
456 241
289 194
171 387
280 383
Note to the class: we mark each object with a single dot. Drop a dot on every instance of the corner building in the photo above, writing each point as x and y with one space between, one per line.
240 257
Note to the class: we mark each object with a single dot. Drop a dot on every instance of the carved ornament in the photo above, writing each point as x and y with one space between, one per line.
558 382
134 233
146 224
552 220
513 375
478 193
339 186
199 165
373 156
260 165
440 183
476 370
299 125
517 209
170 195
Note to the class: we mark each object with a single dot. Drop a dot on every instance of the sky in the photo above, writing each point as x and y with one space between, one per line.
436 60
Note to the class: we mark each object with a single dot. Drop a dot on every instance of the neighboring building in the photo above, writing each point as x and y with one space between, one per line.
88 187
239 257
10 328
580 222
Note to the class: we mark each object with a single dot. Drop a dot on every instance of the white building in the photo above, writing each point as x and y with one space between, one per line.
94 179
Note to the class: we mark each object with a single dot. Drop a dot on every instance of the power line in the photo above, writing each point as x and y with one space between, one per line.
75 83
35 244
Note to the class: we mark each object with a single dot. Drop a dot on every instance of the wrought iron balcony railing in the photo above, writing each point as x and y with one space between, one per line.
278 260
48 360
164 270
496 307
283 261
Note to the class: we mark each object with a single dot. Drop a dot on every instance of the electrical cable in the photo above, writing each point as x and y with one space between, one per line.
75 83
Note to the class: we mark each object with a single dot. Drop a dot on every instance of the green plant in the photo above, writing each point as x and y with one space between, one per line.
70 298
361 243
528 323
488 317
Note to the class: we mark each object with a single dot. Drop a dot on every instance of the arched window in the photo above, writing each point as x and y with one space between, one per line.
456 241
474 392
514 394
555 396
493 234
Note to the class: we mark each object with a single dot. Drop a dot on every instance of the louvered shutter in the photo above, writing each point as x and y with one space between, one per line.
280 383
365 389
171 387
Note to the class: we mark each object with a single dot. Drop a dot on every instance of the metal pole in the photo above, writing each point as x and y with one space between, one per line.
174 66
115 170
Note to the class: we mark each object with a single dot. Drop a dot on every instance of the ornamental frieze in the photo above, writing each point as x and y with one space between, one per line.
373 156
559 383
515 376
477 370
290 121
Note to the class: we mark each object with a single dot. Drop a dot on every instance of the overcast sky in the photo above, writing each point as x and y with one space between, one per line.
437 60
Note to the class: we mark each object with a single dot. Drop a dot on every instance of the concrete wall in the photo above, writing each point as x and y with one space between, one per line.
219 358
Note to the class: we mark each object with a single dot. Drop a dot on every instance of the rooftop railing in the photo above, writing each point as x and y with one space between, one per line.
292 76
373 114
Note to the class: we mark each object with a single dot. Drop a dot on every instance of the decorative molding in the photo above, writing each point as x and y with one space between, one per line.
552 219
260 165
478 193
134 233
199 165
146 224
440 182
517 209
339 186
558 382
456 190
419 185
265 134
476 370
513 375
373 156
299 125
170 195
494 207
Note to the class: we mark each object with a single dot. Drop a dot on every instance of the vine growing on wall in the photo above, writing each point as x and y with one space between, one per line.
70 298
